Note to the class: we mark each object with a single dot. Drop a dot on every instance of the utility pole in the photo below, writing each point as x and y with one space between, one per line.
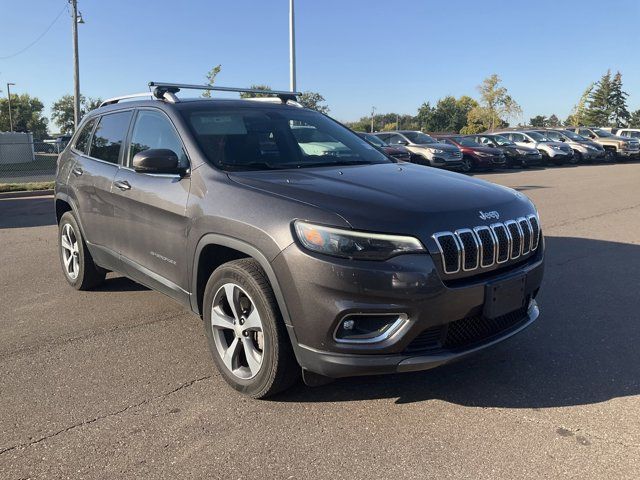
397 122
9 98
373 110
76 64
292 48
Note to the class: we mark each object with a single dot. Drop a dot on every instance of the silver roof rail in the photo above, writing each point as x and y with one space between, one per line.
274 100
160 88
113 100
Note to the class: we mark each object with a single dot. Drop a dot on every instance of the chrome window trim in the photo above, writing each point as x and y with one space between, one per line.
436 237
495 245
464 253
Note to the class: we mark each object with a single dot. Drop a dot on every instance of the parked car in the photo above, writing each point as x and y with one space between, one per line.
627 132
555 152
584 150
427 150
514 155
474 155
398 152
295 258
615 147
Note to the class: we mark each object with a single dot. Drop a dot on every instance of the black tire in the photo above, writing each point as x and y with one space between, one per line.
610 155
576 159
88 275
467 165
279 368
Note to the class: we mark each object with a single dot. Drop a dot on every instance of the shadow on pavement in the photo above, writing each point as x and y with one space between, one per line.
27 212
583 349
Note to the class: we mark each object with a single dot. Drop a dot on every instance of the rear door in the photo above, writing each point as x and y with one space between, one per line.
150 209
92 174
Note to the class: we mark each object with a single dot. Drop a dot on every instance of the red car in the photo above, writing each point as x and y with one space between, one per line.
474 155
396 151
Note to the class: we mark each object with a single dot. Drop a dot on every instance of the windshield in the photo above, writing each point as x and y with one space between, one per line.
377 141
465 142
502 141
555 136
419 137
538 137
573 136
601 133
268 139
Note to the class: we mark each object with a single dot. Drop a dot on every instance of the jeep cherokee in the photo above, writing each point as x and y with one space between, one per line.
332 260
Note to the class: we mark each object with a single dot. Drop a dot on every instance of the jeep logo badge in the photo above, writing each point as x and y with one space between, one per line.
489 215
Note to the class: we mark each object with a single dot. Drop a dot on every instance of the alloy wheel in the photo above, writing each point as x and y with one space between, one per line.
466 165
70 251
237 331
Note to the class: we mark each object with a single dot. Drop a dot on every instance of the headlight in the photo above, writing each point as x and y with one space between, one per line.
353 244
484 154
436 150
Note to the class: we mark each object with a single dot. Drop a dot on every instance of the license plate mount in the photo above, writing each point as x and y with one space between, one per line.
504 296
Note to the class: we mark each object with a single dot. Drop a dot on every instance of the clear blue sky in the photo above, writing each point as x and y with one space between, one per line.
357 53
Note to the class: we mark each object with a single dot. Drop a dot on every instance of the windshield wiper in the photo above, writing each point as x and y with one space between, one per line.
251 166
335 162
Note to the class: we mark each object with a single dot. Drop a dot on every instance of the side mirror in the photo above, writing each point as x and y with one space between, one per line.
402 142
157 160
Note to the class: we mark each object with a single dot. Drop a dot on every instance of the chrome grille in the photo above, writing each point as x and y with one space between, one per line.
468 249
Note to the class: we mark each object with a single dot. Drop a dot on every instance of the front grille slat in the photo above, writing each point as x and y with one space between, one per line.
469 249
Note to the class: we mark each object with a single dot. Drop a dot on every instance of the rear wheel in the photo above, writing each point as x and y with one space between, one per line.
246 334
77 264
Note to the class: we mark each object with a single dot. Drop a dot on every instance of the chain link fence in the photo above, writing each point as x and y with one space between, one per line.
24 160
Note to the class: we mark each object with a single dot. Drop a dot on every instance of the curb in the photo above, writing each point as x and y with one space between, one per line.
34 193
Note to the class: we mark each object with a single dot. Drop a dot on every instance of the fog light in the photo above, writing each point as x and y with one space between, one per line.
368 328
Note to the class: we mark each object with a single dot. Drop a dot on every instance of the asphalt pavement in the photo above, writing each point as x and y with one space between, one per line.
118 383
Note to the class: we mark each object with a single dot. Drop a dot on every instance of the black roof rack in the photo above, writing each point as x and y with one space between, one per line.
161 88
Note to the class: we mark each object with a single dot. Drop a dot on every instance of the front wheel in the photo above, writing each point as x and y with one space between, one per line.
577 158
610 155
246 334
467 165
77 264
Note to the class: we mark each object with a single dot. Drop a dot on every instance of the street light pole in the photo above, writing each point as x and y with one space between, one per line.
292 48
76 63
9 98
373 110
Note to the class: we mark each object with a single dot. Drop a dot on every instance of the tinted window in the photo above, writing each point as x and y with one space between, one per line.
109 136
257 139
83 137
154 130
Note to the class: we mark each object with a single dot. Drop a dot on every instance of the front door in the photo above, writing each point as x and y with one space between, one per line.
150 210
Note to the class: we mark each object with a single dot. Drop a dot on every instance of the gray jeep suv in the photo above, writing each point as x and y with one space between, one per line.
332 259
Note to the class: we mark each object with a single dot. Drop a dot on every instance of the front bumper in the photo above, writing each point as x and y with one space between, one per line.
319 292
446 162
344 365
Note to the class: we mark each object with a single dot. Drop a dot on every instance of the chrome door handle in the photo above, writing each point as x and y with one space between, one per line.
122 185
77 171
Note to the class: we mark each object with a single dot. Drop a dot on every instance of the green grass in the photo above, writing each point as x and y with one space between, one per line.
25 187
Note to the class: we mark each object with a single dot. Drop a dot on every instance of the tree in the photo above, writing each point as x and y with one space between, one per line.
579 112
553 121
424 116
634 119
538 121
62 111
449 114
26 115
211 78
493 109
313 100
618 103
256 95
599 109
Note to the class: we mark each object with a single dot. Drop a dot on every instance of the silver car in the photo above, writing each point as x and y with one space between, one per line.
555 152
428 149
584 150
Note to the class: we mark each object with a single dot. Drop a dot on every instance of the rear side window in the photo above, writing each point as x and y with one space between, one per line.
154 130
109 136
82 140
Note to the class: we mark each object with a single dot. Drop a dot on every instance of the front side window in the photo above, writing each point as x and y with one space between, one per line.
269 139
82 140
585 132
153 130
109 136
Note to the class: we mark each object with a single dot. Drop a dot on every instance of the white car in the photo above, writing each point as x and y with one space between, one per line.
627 132
556 152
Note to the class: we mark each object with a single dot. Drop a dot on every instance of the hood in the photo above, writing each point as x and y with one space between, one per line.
441 146
489 150
393 198
395 150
